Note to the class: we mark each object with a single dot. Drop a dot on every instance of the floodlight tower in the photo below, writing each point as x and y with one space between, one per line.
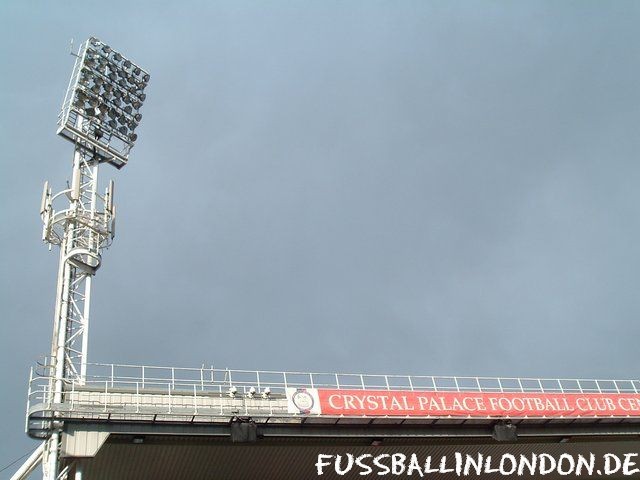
100 113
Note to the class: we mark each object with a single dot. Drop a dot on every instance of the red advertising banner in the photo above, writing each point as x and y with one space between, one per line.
474 404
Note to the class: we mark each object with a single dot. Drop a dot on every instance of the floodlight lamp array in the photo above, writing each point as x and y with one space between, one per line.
101 110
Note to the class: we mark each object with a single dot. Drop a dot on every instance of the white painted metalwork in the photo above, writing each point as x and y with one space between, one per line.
101 107
151 393
30 464
82 226
99 114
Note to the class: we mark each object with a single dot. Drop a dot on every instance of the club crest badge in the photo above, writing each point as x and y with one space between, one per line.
303 401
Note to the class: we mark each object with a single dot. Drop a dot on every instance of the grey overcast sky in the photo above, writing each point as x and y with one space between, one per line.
428 187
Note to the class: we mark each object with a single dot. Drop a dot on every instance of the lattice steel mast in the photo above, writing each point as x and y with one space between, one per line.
99 115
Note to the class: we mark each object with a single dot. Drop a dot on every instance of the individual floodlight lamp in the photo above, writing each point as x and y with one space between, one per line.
103 82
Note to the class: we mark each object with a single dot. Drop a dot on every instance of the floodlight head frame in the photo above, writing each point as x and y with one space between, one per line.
94 117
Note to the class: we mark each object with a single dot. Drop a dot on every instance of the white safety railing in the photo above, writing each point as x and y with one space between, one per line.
124 376
140 389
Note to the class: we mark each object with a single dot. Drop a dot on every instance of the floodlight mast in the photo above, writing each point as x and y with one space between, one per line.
99 115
